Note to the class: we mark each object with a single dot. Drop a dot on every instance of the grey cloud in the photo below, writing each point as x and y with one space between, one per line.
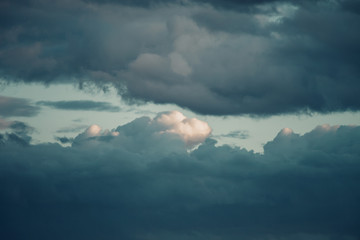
241 134
64 140
15 131
10 106
132 186
84 105
21 140
213 57
15 137
242 5
78 120
351 6
72 129
20 131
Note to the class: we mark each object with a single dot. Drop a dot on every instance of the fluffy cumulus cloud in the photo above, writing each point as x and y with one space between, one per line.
214 57
192 131
138 181
167 125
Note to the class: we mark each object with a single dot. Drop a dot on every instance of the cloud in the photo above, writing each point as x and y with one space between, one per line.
72 129
10 106
64 140
213 57
192 131
173 125
5 124
84 105
241 134
142 184
15 131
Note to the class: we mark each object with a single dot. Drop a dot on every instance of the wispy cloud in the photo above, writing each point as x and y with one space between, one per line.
72 129
19 107
239 134
80 105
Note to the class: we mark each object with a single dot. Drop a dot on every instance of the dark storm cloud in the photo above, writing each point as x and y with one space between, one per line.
213 57
85 105
351 6
130 186
223 4
10 106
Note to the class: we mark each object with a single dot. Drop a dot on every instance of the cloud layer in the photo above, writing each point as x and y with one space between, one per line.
213 57
138 181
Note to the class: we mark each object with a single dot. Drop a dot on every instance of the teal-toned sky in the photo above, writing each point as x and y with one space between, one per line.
180 120
247 132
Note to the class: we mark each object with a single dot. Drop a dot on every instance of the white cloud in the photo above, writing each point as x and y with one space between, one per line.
286 131
166 126
191 130
93 130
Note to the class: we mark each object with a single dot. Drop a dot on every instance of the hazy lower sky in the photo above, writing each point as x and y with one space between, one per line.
243 131
185 119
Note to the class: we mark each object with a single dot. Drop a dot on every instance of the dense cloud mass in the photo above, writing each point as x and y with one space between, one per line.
139 181
214 57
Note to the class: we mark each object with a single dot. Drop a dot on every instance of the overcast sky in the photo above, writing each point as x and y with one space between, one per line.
189 119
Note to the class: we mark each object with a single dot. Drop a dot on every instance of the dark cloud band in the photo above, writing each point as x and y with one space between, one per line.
131 187
222 57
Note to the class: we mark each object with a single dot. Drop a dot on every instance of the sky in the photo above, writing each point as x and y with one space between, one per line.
189 119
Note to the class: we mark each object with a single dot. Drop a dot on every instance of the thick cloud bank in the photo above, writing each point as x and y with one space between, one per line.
139 182
213 57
